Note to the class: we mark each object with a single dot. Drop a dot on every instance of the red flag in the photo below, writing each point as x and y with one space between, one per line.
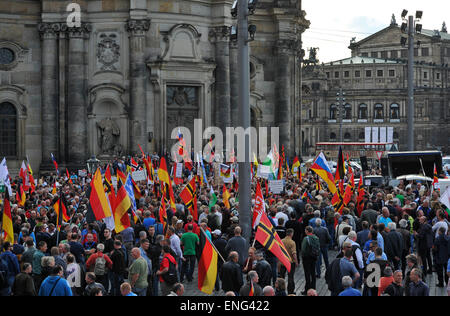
259 208
189 197
361 193
268 237
349 189
68 176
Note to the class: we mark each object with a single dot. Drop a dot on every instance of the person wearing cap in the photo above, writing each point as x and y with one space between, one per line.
220 245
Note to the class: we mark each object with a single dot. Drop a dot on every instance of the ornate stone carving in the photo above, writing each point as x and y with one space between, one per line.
285 46
11 54
78 32
109 132
219 33
138 27
108 51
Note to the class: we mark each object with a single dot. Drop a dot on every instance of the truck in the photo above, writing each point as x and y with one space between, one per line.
414 162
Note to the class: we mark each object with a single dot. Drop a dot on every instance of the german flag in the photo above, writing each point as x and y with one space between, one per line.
318 185
61 210
435 178
361 193
7 223
121 176
207 265
123 204
226 196
349 189
137 191
189 197
97 199
163 214
21 197
163 176
68 177
268 237
54 188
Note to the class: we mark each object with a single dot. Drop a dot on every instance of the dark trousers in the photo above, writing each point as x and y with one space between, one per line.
188 268
324 254
273 261
291 281
116 280
441 270
309 267
425 255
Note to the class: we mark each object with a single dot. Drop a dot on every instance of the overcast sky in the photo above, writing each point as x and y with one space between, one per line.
334 23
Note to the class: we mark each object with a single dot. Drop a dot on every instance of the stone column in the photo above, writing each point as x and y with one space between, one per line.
234 85
49 76
283 92
77 119
221 37
138 104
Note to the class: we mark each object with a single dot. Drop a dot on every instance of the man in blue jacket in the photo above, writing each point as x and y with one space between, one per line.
9 263
55 284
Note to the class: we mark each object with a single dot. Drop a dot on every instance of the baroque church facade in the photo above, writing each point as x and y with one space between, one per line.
136 69
374 79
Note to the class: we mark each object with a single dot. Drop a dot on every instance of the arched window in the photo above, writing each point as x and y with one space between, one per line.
394 113
378 112
362 112
361 136
348 112
347 136
332 136
333 112
8 130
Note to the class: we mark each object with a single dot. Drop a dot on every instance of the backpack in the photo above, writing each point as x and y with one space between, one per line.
100 266
171 276
3 273
314 247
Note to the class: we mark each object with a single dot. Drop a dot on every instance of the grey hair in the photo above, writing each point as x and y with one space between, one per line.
352 234
403 223
268 289
392 226
159 238
101 247
142 233
318 222
47 261
317 213
347 282
252 274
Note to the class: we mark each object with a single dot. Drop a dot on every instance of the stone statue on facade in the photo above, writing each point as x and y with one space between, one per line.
109 131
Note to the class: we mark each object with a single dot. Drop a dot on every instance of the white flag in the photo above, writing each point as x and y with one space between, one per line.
4 176
445 198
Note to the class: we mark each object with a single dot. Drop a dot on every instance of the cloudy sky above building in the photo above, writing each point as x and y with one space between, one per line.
335 23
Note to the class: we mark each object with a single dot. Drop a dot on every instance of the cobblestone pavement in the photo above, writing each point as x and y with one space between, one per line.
191 288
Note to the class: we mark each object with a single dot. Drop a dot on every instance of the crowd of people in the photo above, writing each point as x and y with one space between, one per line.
400 237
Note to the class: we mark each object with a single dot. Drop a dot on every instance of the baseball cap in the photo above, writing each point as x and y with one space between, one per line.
217 232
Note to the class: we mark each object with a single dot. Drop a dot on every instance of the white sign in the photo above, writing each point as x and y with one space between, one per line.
82 173
276 186
114 181
140 175
390 134
443 185
263 171
374 134
382 134
368 134
179 173
367 182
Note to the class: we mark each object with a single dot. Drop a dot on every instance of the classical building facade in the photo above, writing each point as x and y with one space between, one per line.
374 80
135 69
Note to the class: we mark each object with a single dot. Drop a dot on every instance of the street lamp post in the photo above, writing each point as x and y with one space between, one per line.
245 212
412 27
341 101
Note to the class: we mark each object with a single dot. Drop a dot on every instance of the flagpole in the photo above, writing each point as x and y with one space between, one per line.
206 236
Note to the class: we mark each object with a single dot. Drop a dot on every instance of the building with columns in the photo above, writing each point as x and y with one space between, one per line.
374 80
135 69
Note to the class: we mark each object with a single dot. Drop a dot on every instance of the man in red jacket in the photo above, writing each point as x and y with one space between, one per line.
100 267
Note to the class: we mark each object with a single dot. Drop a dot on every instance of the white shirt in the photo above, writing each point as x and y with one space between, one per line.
73 275
175 245
283 216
